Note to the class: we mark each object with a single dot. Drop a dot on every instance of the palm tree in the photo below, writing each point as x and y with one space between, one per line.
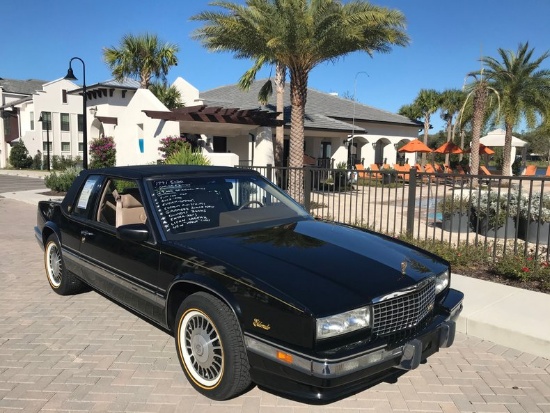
300 34
451 103
479 90
170 96
141 57
263 96
426 103
524 91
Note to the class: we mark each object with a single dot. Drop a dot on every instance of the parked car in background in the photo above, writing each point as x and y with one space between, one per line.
253 288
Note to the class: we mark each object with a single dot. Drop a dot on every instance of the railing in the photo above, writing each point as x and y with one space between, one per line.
500 212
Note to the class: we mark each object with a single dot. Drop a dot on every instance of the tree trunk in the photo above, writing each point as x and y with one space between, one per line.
298 98
449 137
480 99
507 151
462 134
280 75
426 129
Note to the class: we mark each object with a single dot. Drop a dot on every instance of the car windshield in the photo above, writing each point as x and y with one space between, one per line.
199 203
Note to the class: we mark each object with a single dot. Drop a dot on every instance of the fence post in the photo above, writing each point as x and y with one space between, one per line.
411 202
269 172
307 187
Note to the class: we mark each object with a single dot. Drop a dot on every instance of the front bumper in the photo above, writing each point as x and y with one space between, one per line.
321 380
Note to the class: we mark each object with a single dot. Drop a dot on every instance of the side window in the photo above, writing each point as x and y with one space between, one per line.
121 204
85 201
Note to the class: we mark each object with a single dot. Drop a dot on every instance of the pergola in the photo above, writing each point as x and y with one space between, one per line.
213 119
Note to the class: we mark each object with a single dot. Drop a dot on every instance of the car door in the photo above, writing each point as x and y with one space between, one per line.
125 270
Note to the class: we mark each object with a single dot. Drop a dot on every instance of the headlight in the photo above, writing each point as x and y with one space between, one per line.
343 323
441 281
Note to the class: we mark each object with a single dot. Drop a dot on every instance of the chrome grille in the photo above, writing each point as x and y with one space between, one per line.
401 311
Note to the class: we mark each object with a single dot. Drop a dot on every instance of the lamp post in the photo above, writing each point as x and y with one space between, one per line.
49 123
70 76
350 145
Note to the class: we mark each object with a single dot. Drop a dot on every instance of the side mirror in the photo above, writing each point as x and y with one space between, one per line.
133 232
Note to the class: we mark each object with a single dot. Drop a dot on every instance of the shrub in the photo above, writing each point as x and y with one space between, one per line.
187 156
102 152
63 181
19 156
171 145
454 205
60 163
519 267
37 161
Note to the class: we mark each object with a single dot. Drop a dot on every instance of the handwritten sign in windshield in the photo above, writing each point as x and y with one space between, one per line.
183 206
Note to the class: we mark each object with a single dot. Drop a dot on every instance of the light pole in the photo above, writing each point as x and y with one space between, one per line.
350 143
49 123
71 76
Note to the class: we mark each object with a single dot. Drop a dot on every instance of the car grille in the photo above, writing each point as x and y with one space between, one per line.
403 311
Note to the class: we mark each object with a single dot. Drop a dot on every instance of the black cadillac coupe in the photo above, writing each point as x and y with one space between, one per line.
253 288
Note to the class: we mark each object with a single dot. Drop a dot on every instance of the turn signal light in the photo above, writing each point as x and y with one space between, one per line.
287 358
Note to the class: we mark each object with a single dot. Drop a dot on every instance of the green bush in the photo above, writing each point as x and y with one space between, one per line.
19 156
37 161
187 156
63 181
60 163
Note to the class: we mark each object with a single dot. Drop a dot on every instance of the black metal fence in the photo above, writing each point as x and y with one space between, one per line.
501 213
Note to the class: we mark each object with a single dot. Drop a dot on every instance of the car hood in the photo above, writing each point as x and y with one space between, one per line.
324 267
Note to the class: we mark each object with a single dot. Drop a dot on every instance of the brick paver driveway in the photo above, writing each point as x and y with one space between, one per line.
84 353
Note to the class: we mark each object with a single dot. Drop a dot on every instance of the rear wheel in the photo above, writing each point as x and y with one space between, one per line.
61 281
210 347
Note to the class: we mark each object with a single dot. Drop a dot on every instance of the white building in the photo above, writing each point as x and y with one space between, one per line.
230 125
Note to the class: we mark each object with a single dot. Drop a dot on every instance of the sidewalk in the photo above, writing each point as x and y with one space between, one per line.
504 315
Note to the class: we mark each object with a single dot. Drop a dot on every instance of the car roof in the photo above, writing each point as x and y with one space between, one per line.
147 171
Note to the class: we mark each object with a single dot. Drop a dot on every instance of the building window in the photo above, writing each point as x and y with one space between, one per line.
80 123
46 120
45 147
7 123
65 122
32 120
65 146
80 147
219 144
64 96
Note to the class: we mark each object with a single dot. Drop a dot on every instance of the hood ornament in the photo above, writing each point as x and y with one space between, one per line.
404 267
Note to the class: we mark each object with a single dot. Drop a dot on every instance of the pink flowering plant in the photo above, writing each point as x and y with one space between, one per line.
171 145
102 152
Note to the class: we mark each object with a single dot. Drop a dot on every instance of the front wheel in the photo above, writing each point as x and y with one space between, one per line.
61 281
210 347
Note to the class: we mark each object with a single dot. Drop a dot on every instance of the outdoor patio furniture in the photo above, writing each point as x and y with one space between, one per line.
530 170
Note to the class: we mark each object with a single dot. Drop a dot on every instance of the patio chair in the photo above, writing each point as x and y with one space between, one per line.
404 172
361 171
374 168
460 170
530 170
484 171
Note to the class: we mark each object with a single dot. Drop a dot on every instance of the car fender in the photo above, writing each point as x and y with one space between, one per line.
48 229
190 283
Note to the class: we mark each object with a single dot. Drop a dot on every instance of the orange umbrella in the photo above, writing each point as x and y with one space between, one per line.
483 150
415 145
449 147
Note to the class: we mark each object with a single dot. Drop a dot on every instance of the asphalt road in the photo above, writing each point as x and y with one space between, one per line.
84 353
10 183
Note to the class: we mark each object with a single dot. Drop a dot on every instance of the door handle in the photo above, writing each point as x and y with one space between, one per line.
84 234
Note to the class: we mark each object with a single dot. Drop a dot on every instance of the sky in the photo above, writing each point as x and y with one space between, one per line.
447 40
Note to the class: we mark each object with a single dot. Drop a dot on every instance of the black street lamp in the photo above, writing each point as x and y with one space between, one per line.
48 126
71 76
